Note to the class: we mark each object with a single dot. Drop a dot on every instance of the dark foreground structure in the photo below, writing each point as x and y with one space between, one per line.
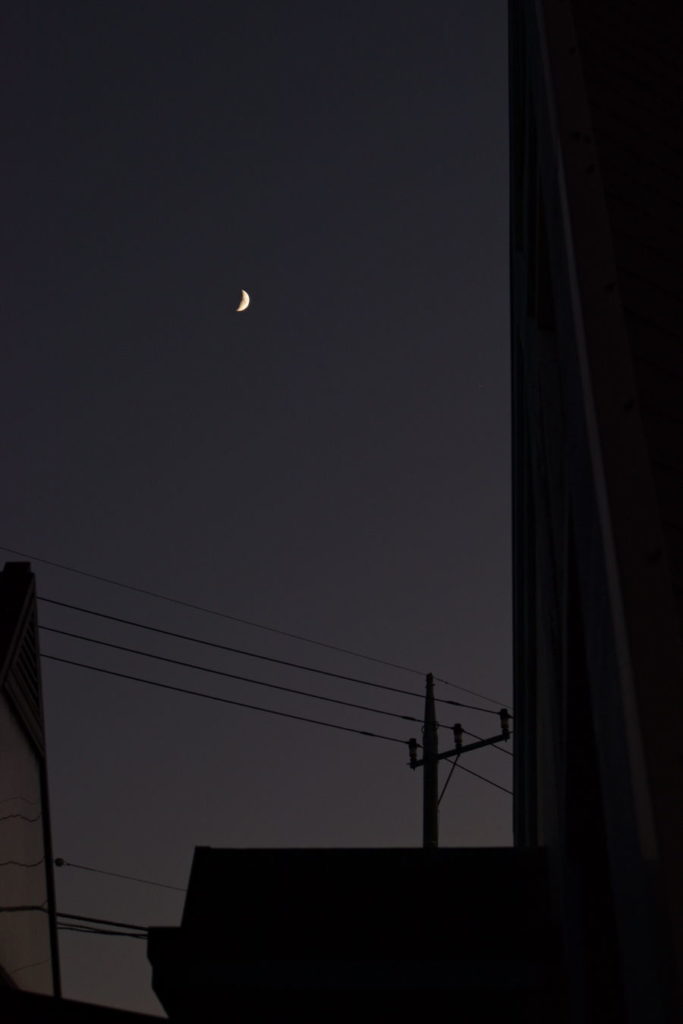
28 932
597 347
29 961
338 935
20 1007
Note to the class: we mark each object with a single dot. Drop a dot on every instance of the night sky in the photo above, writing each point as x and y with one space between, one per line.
333 462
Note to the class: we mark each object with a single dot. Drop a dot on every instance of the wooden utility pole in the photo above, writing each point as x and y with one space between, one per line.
430 761
430 820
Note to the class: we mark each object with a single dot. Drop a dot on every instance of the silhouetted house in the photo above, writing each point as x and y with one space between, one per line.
28 939
29 965
334 935
597 350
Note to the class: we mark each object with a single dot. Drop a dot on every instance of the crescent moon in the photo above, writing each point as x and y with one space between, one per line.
244 301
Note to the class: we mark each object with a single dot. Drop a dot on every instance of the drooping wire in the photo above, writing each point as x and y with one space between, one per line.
24 817
21 863
223 700
244 622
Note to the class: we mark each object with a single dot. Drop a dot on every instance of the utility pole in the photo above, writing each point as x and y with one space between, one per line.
431 758
430 810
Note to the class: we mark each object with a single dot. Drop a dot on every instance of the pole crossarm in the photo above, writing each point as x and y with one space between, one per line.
430 761
418 762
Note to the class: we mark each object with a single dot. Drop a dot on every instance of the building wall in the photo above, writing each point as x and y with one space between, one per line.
598 667
25 952
28 950
316 935
630 56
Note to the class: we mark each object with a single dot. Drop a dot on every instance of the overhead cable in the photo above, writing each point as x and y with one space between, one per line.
244 679
223 700
61 863
244 622
494 746
88 930
21 863
454 765
102 920
209 611
236 650
482 777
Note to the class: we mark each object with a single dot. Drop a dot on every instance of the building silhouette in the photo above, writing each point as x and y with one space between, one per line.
334 935
597 357
28 937
30 987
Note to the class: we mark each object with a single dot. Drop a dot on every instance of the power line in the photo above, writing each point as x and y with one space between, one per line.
482 777
140 931
86 926
232 675
245 679
237 650
224 700
60 862
494 746
221 647
244 622
241 704
91 926
209 611
102 920
86 930
475 693
454 765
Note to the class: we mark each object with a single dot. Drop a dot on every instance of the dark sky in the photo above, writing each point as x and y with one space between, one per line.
332 462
